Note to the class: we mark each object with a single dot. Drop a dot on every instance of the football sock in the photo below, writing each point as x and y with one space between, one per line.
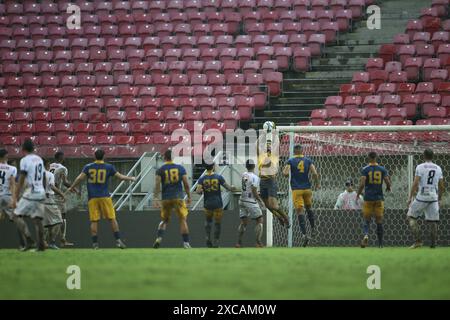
53 233
21 239
95 239
414 228
160 233
281 215
217 229
47 234
23 228
434 230
366 227
63 229
311 218
208 227
380 233
185 237
39 233
259 232
241 230
117 235
302 223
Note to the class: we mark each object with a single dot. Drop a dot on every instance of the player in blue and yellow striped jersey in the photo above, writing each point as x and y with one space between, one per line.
99 200
300 167
372 178
210 185
172 178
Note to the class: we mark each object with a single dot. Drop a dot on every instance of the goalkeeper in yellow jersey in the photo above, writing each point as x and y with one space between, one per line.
268 169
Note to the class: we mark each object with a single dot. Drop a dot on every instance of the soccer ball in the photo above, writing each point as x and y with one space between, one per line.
269 126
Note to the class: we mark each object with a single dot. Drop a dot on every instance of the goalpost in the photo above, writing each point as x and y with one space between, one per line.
339 153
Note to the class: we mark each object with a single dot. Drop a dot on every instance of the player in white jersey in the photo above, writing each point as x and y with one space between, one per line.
31 204
250 204
61 180
8 175
52 218
426 192
347 200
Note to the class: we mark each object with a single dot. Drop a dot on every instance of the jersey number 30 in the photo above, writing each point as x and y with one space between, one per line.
97 176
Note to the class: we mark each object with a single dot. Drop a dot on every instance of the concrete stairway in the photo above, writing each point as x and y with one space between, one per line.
303 92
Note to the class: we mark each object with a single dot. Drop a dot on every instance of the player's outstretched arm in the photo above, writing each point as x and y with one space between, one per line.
77 181
187 189
258 198
230 188
199 189
414 189
59 192
18 189
441 186
67 184
387 180
286 170
315 176
362 183
12 184
123 177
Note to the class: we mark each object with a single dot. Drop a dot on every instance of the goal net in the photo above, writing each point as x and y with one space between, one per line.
339 153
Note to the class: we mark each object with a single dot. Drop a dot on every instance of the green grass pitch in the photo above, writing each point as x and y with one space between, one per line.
248 273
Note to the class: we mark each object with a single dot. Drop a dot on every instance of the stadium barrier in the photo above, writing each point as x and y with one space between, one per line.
336 228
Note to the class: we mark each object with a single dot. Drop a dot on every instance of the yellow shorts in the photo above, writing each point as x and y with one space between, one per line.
101 208
373 209
178 205
302 198
216 213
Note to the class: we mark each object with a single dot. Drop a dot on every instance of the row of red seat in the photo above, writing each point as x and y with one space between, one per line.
142 68
419 37
57 98
170 42
151 55
374 122
175 6
152 127
415 68
117 117
416 100
85 72
372 111
215 78
365 89
220 101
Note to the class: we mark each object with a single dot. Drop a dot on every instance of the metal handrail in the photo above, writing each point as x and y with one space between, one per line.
132 187
133 168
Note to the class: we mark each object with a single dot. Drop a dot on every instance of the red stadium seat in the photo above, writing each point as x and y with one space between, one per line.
372 101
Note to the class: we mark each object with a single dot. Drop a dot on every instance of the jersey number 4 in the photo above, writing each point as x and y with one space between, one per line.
301 166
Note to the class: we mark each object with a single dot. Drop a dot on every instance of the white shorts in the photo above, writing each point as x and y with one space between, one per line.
52 214
30 208
419 208
5 202
249 210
